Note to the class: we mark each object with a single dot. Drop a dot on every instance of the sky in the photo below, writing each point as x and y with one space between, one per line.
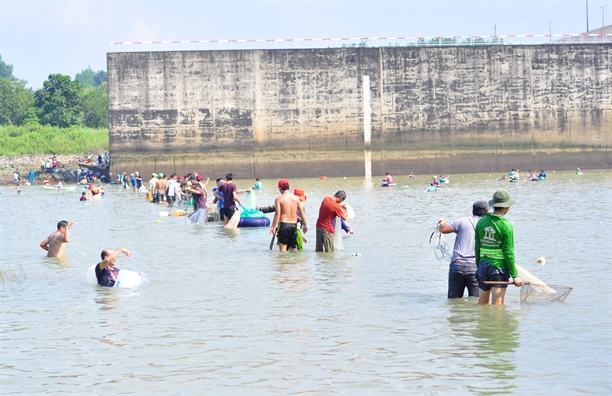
44 37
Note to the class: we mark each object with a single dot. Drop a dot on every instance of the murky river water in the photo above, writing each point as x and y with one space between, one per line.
222 314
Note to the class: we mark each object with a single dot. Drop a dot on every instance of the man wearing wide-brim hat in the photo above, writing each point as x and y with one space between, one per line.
494 250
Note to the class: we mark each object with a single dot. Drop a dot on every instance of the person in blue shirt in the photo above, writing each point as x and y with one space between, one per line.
219 199
106 272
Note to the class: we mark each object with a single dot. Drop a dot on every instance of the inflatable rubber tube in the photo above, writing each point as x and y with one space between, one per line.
125 279
128 279
90 275
254 222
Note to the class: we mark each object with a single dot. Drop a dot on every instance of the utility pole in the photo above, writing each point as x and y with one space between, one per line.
549 32
603 19
587 14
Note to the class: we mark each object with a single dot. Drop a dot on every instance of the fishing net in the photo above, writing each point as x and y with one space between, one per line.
440 247
543 293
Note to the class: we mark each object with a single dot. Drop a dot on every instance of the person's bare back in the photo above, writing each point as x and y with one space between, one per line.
287 205
55 244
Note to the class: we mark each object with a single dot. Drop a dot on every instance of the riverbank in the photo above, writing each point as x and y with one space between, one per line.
25 163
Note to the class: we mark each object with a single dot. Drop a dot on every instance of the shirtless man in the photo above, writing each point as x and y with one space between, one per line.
288 207
55 243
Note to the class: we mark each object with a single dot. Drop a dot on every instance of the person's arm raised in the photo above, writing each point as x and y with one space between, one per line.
444 227
67 233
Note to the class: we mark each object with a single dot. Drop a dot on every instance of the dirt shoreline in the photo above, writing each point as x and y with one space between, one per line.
27 162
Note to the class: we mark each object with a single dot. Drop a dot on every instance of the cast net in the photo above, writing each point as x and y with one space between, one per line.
542 293
440 247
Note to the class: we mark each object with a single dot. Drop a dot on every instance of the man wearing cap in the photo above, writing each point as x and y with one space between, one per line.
288 207
462 271
328 211
494 249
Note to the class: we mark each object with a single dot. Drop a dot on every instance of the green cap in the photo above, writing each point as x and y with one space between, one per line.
501 199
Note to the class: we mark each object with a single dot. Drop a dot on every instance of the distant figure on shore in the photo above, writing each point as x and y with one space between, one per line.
330 209
288 208
494 251
258 184
462 271
578 171
55 243
16 177
106 272
32 177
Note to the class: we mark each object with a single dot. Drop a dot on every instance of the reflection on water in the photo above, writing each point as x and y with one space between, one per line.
224 314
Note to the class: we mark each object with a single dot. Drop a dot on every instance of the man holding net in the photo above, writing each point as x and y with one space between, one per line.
494 249
462 271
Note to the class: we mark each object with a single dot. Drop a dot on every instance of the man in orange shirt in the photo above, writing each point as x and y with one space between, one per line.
330 208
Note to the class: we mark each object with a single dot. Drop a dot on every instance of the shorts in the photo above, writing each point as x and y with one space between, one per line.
171 198
228 212
287 234
325 241
486 272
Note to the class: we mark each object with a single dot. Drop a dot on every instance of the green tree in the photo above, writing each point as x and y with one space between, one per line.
95 106
100 77
59 101
6 70
89 78
16 102
86 77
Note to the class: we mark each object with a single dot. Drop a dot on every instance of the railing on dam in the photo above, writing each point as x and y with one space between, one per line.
356 42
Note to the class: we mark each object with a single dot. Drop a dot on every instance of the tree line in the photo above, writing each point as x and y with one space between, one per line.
61 102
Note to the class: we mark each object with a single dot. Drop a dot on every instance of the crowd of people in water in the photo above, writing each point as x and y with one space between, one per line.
482 261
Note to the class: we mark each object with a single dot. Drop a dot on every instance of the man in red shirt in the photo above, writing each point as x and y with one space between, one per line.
330 208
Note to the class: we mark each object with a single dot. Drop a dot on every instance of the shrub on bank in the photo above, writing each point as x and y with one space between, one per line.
41 139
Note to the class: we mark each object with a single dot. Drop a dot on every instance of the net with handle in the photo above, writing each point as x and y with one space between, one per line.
534 293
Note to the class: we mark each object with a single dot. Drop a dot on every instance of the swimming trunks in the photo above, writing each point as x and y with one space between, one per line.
229 212
287 234
487 272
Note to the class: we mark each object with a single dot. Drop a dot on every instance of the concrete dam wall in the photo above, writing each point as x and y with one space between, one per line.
310 112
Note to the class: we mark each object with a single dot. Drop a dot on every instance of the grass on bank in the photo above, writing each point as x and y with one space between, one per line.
41 139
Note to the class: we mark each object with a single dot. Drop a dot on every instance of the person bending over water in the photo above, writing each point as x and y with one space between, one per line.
494 250
328 211
288 207
55 244
106 272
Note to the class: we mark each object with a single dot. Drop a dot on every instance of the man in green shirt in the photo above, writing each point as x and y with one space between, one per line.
494 250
